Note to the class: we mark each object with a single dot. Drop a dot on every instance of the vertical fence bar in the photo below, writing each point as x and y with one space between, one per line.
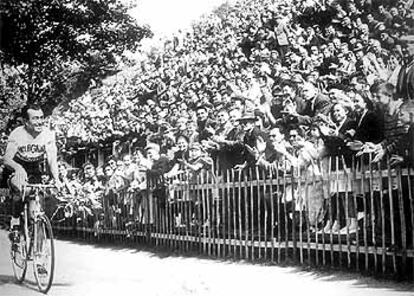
239 208
402 220
308 224
265 203
338 217
209 216
294 238
177 213
167 220
279 213
193 213
173 204
411 203
213 212
181 212
156 219
225 207
173 229
354 196
195 217
228 208
170 217
148 196
347 213
258 212
235 204
300 204
204 220
188 218
272 215
391 204
286 217
330 206
251 224
364 201
301 193
373 211
219 200
246 217
317 232
198 211
382 213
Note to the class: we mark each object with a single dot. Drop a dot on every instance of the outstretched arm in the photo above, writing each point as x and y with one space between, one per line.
51 154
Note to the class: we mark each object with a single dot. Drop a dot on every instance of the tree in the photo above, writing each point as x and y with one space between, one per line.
60 47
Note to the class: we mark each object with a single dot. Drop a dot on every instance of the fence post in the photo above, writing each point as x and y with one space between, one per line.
147 196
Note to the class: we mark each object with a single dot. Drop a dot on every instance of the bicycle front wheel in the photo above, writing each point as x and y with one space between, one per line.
43 253
18 254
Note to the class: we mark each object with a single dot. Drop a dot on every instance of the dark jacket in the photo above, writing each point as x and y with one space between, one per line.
336 145
369 129
250 139
320 105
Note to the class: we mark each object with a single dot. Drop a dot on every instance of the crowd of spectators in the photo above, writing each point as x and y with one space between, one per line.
268 83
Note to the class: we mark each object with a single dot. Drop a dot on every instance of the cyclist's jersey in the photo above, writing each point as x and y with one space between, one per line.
30 152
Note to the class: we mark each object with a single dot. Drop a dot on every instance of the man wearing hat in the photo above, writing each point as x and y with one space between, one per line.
252 140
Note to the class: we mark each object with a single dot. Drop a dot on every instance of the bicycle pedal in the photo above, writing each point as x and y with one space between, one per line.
15 247
14 237
41 270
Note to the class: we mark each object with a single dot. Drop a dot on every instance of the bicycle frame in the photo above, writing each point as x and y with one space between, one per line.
34 216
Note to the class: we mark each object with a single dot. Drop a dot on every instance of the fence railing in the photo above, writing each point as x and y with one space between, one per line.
276 215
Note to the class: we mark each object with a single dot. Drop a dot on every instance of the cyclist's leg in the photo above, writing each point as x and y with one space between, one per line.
17 201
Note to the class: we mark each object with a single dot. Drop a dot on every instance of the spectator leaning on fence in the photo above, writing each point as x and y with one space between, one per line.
261 68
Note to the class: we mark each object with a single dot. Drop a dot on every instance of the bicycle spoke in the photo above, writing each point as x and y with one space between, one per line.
19 259
43 254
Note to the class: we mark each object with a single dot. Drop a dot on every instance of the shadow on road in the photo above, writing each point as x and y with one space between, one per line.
9 279
358 279
6 279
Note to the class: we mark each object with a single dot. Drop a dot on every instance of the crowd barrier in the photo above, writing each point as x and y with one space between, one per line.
272 215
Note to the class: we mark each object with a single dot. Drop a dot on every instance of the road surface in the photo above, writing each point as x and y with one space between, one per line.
85 270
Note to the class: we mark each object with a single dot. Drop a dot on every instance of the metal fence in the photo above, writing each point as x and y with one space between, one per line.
272 215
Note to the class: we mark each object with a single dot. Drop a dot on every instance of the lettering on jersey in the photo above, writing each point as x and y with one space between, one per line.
31 152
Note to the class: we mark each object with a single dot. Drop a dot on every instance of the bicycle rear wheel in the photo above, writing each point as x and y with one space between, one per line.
43 253
18 255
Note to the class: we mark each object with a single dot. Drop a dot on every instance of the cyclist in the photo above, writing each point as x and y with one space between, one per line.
27 148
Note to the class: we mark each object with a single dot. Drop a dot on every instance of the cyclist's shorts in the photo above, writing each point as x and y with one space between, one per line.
34 173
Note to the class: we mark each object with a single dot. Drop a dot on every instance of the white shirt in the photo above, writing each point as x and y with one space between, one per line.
30 149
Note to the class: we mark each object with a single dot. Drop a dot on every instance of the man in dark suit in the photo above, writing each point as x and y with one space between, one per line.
368 124
315 104
204 123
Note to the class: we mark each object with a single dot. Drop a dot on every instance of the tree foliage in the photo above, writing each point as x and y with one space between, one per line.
61 46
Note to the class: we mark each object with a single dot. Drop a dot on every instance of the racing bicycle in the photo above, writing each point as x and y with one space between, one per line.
35 242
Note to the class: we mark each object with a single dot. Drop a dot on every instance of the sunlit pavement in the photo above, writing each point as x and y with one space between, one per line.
93 270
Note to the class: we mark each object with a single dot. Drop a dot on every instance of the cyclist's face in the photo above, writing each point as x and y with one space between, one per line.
35 120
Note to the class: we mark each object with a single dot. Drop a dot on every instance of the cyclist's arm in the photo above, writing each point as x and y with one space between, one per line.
20 174
11 151
51 154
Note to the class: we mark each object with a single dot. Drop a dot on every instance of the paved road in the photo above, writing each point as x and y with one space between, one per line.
84 270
